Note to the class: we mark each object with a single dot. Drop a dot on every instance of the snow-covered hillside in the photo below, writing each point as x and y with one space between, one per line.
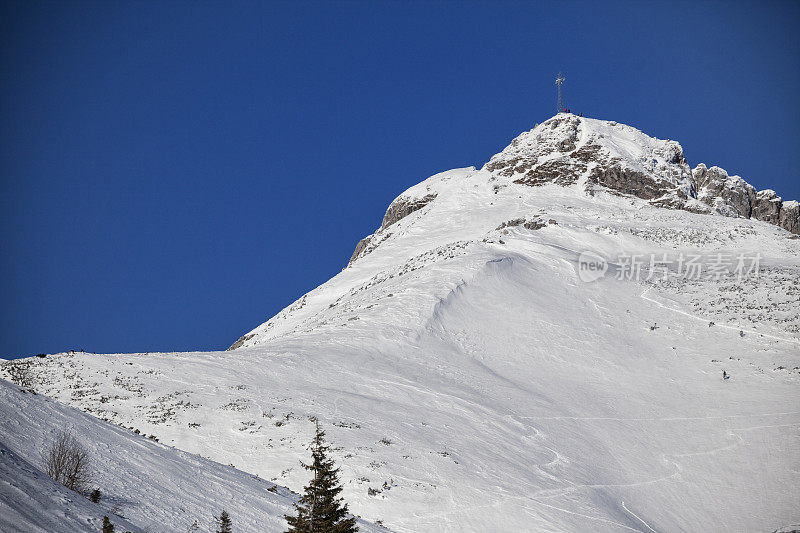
145 486
537 345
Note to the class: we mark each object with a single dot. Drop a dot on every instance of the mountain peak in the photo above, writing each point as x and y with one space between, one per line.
605 155
569 150
565 132
566 164
594 156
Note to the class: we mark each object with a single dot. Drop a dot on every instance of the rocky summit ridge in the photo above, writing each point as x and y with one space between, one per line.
600 155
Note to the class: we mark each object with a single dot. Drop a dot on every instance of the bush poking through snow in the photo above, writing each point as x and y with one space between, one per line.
108 527
21 374
66 460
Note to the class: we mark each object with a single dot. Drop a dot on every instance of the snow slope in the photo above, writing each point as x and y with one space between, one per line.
155 487
472 381
31 502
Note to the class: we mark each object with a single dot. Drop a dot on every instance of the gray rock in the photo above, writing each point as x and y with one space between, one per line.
362 244
732 196
403 206
534 224
627 181
525 223
767 207
671 184
399 209
790 217
562 172
240 342
728 195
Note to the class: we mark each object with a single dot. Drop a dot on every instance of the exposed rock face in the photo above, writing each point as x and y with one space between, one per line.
790 216
563 151
729 195
360 247
628 181
239 343
567 150
398 210
402 207
732 196
767 207
563 172
557 135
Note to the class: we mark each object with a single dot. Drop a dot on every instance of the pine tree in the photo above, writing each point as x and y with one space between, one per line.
320 510
108 527
224 521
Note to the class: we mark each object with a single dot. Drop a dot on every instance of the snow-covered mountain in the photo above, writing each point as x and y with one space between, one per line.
537 345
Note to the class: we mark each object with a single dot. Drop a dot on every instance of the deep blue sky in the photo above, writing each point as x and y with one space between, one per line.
174 173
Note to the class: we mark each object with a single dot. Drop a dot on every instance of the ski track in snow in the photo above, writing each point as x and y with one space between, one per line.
594 518
638 518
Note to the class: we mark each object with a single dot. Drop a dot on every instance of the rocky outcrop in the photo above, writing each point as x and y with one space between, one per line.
562 172
559 135
789 218
771 208
566 149
360 247
534 224
728 195
398 210
732 196
767 207
404 206
239 343
615 158
629 181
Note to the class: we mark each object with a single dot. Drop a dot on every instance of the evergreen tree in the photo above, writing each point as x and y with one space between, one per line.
320 510
224 521
95 496
108 527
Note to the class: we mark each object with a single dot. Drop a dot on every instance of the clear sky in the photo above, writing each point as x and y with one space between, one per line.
174 173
